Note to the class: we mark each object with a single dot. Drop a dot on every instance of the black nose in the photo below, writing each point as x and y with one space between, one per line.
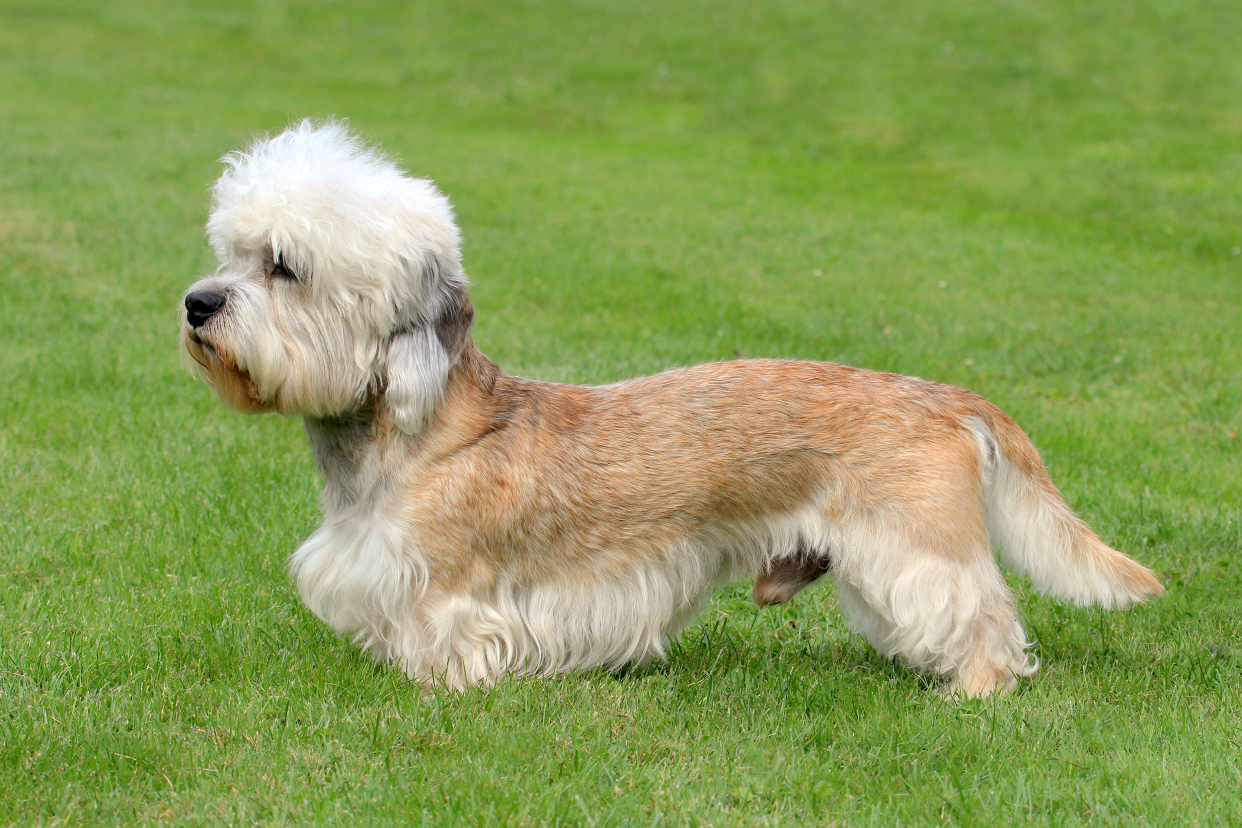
200 306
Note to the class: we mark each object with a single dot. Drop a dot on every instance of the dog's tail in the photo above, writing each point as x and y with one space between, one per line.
1040 535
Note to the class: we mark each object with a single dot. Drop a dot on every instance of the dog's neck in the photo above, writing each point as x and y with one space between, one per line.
342 448
358 453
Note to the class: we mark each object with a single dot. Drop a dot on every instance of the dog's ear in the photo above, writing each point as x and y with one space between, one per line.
452 326
420 359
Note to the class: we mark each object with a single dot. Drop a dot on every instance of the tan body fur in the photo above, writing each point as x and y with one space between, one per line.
563 480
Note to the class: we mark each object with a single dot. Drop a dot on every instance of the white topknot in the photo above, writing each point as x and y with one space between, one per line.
330 205
340 275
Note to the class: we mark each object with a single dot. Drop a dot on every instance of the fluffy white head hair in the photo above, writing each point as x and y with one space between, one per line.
337 271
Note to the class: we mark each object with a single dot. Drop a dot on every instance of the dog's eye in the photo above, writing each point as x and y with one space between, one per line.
280 271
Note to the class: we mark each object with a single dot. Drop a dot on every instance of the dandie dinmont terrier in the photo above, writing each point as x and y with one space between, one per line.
478 524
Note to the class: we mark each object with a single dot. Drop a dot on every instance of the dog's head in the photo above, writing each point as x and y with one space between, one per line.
339 277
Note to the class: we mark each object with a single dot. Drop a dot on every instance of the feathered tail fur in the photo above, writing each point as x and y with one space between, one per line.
1038 534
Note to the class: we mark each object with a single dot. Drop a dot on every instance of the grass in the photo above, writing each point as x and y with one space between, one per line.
1041 201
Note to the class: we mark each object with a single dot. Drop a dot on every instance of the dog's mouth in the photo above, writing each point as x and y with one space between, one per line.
221 371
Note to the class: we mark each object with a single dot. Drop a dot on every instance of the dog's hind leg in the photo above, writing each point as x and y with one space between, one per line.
950 614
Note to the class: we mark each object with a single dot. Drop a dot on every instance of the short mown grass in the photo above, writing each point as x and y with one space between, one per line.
1041 201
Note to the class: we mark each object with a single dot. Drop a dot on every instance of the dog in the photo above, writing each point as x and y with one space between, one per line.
477 524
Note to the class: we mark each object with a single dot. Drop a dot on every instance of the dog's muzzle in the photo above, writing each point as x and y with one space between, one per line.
200 306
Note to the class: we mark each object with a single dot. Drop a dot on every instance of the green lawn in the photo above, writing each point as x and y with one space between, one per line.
1040 200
